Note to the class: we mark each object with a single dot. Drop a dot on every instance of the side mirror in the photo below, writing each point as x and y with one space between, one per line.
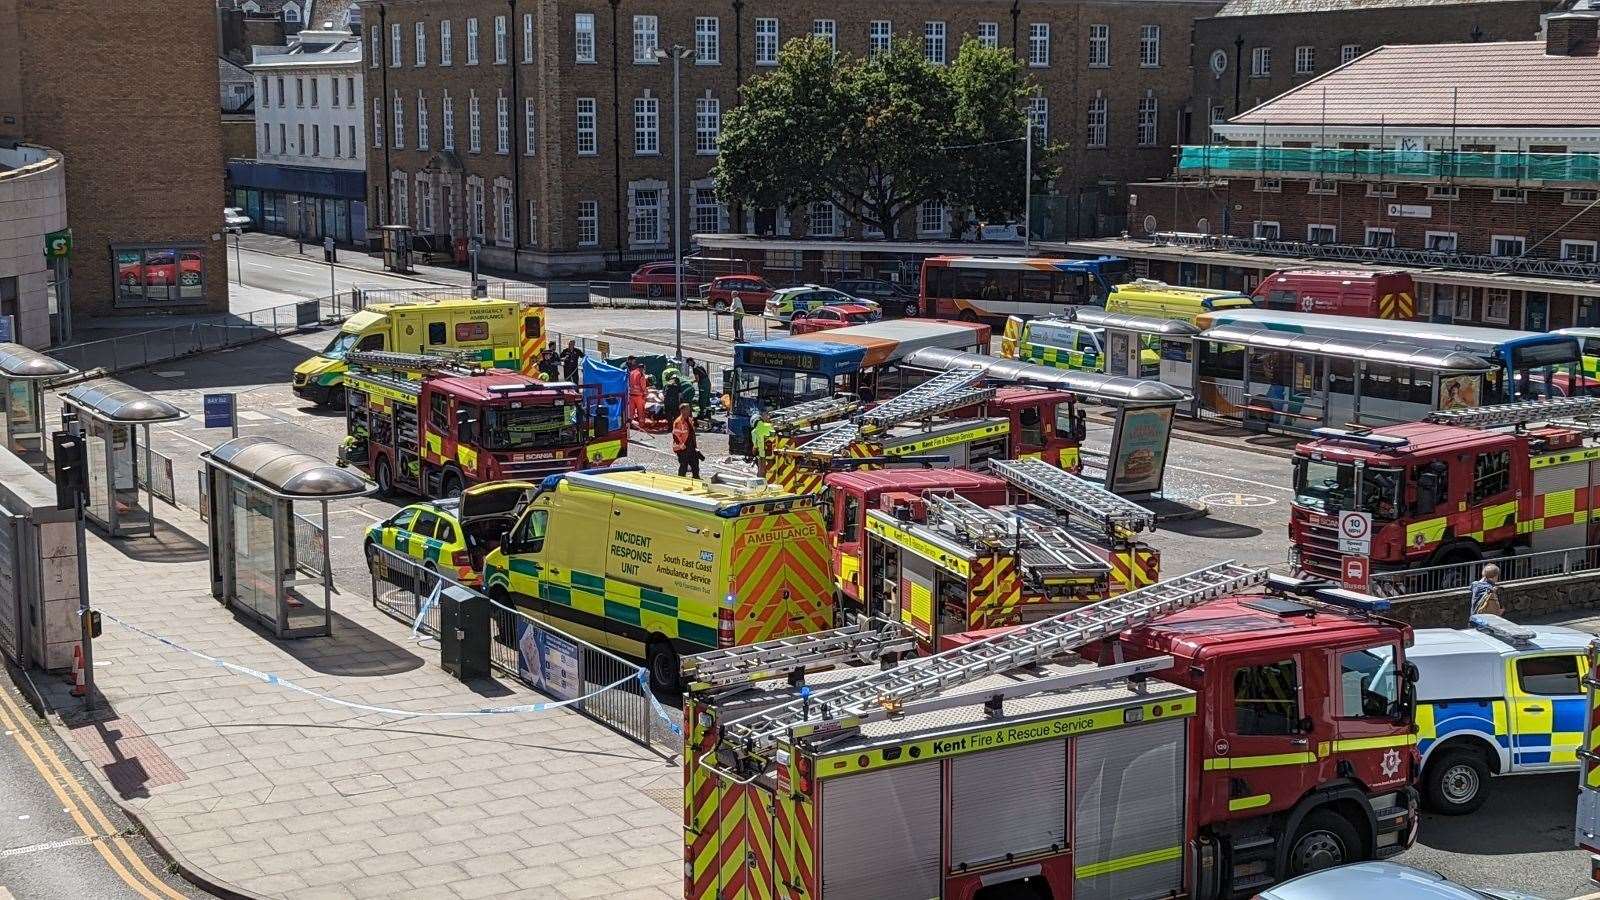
1412 673
1080 426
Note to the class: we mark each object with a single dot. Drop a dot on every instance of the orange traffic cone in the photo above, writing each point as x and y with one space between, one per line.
78 688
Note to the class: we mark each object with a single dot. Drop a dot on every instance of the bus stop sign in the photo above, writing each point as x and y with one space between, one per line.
1355 573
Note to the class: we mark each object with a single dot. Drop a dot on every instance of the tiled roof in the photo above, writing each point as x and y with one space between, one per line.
227 71
335 11
1282 7
1437 84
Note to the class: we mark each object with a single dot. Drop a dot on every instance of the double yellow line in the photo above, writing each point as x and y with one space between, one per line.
89 817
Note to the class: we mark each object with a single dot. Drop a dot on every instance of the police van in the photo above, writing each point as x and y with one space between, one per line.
1496 699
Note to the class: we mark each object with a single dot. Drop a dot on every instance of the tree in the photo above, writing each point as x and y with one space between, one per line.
880 136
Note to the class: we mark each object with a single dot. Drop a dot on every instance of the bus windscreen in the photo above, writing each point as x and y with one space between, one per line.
1545 353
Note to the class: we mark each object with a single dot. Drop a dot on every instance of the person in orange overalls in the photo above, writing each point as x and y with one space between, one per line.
684 444
637 390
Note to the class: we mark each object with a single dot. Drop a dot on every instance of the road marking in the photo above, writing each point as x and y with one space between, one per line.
1255 484
1236 499
359 512
202 445
52 845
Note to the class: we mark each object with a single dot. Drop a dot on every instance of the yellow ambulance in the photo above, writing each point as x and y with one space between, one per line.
655 566
501 334
1148 297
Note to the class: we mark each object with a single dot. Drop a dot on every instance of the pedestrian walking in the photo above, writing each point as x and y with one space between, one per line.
638 390
684 445
571 359
1486 594
737 308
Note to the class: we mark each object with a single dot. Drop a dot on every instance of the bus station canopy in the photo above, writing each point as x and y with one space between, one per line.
1089 385
285 472
21 363
1397 353
114 402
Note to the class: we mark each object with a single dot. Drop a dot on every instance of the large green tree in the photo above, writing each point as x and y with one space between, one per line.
879 136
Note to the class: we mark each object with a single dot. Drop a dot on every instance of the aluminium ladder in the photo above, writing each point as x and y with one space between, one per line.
1066 491
1042 549
1519 413
843 707
939 394
732 666
813 412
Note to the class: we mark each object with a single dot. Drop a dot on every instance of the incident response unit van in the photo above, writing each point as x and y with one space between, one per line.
1064 344
1147 297
656 566
501 334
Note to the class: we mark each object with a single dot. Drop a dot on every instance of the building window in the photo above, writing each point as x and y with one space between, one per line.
333 92
707 40
502 124
1441 241
989 35
583 37
1322 186
1443 192
707 211
1578 251
766 42
588 223
1463 305
1510 195
930 217
1099 46
1349 52
1267 231
1506 245
399 123
422 122
351 144
503 213
424 204
475 206
266 140
300 92
1497 306
499 40
283 139
530 132
156 275
402 205
419 55
880 33
315 82
474 124
281 100
1579 197
707 125
1149 46
1380 190
446 48
1039 45
447 136
646 203
374 52
1269 185
300 139
1097 122
1305 60
644 39
350 91
1380 237
377 125
1147 122
472 45
338 142
828 30
1260 62
396 45
933 42
820 222
1322 234
646 126
587 143
527 37
1039 119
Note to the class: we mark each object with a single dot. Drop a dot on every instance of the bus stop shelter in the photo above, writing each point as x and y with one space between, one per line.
115 421
23 375
261 563
1127 335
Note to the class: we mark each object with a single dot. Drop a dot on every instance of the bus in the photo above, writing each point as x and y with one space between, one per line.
974 288
860 359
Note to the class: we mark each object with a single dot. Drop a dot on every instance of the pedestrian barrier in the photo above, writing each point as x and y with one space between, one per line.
1512 568
156 476
310 543
595 682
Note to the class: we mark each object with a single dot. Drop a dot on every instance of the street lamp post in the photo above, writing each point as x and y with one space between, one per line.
238 254
678 53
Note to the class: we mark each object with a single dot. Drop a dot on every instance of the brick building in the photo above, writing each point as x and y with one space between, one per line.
545 129
1488 189
139 138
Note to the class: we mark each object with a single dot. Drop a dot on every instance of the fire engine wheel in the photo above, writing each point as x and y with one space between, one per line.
383 474
662 661
1326 839
1456 782
654 290
910 309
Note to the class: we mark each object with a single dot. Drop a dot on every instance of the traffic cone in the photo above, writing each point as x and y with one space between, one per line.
78 688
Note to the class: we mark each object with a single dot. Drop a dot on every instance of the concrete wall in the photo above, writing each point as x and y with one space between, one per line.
1525 601
33 203
49 568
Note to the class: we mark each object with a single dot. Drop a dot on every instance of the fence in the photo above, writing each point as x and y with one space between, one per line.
1581 168
310 545
537 654
156 476
144 348
1512 568
599 293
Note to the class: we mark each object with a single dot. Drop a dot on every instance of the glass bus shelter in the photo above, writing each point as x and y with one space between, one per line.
115 421
23 375
258 566
1128 336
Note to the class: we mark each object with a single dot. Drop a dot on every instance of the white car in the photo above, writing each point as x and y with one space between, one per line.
234 217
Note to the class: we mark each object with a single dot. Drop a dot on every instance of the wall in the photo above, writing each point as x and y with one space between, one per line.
272 111
33 203
11 111
1525 601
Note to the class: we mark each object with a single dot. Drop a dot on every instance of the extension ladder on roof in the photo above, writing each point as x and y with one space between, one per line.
813 412
1043 549
852 644
1519 413
939 394
1068 492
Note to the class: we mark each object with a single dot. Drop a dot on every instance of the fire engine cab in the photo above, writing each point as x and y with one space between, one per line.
1457 487
1237 739
430 426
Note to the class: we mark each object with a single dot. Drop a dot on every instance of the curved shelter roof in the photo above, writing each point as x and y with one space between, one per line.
115 402
24 363
286 472
1113 388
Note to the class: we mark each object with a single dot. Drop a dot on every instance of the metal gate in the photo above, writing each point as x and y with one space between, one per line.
10 587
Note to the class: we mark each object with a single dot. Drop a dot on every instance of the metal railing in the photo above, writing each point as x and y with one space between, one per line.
156 476
1333 162
539 655
144 348
1455 576
1427 259
595 293
310 545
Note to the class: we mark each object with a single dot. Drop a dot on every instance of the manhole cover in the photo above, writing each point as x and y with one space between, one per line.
1235 499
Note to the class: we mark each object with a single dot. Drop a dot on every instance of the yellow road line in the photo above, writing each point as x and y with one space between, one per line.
55 774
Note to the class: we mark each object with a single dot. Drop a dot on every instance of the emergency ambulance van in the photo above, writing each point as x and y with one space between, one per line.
1157 299
499 334
656 566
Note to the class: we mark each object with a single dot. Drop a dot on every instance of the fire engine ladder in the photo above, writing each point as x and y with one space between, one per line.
411 362
1519 413
813 412
1068 492
853 644
847 706
940 394
1044 551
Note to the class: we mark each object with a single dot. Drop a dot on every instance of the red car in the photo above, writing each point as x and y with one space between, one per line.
655 280
825 317
753 291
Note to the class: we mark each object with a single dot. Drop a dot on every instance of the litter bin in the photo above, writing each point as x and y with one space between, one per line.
464 633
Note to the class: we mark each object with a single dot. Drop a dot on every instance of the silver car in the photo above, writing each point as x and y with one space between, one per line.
1390 881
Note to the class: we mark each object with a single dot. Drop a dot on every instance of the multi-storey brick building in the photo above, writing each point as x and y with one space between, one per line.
139 139
1487 189
545 130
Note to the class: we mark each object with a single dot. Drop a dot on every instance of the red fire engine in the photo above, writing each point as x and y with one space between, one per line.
1458 487
431 427
1373 295
1228 741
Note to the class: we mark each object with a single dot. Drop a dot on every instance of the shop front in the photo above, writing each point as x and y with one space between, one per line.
301 202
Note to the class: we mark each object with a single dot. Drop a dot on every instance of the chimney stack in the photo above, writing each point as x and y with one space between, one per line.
1571 34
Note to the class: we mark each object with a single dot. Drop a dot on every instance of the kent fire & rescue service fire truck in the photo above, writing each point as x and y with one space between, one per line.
947 551
1459 486
431 427
1229 740
1588 825
947 416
